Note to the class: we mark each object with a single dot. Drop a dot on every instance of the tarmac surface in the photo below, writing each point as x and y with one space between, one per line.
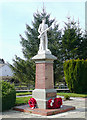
79 112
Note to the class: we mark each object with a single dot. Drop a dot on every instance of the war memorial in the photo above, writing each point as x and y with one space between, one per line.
44 84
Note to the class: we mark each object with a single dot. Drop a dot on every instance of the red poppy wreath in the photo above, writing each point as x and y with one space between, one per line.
55 103
32 103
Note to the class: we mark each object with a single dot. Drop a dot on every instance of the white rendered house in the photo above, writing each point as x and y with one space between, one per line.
5 70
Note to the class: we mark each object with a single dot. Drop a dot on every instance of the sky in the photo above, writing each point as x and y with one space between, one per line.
15 14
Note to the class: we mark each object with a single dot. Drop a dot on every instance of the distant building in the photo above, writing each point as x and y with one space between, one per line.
5 70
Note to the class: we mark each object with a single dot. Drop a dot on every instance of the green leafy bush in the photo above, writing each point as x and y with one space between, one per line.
8 95
75 72
66 97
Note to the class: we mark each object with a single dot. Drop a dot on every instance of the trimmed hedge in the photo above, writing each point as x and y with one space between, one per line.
75 72
8 95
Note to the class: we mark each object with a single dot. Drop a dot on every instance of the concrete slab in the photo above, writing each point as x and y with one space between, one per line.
44 112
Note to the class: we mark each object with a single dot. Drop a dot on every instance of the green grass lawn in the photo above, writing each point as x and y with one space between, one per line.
23 93
61 94
72 94
22 100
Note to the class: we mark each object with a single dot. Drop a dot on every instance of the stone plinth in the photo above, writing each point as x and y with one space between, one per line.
44 84
45 112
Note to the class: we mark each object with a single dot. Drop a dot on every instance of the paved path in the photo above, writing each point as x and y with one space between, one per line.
79 103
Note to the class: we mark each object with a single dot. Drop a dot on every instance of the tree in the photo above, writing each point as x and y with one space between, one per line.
23 71
72 41
83 47
30 46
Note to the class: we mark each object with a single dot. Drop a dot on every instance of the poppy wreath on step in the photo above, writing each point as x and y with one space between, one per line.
50 103
57 102
32 103
54 103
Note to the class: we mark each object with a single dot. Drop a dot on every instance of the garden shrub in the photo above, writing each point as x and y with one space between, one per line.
66 97
8 95
75 72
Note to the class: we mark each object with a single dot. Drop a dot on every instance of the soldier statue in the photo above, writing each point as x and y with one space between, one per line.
43 28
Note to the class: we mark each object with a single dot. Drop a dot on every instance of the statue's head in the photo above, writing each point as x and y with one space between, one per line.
43 20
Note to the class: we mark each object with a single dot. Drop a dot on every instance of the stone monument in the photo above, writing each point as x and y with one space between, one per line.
44 83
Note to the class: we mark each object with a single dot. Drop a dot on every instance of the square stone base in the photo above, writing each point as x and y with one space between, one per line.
42 96
45 112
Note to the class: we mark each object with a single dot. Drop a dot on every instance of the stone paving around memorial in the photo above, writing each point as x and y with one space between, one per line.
79 103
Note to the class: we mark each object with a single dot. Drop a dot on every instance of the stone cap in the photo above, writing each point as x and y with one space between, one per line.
44 56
